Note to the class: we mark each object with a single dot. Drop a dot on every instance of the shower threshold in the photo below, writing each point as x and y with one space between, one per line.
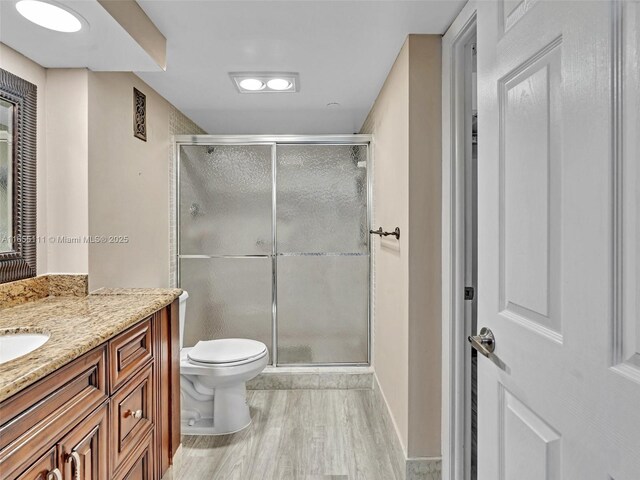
314 378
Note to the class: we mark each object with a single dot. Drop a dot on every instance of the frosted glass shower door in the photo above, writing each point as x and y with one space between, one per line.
228 298
226 200
226 241
322 254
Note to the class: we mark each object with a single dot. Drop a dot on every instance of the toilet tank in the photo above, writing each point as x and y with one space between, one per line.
182 312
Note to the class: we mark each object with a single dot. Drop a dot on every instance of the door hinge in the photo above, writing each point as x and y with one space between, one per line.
469 293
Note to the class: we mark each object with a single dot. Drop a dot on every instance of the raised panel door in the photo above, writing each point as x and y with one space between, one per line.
83 453
557 242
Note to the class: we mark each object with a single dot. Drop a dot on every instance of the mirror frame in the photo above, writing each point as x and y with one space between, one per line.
20 262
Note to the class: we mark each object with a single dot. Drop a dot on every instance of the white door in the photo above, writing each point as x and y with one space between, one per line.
558 240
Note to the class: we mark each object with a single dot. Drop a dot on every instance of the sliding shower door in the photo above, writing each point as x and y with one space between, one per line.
226 241
274 246
322 254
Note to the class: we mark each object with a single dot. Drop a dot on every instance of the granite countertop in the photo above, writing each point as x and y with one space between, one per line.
75 324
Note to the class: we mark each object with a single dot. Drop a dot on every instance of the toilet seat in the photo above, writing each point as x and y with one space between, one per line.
226 352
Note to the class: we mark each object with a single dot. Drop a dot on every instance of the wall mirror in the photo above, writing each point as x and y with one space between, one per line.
18 118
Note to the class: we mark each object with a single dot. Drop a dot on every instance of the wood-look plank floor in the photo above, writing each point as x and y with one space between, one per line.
295 435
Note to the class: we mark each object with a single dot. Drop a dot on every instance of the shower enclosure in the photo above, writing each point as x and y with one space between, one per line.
273 243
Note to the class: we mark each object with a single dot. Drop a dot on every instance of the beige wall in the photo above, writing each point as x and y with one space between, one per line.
21 66
425 263
405 122
388 121
131 183
67 170
128 185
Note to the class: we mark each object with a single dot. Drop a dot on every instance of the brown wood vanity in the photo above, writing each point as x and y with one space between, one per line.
113 413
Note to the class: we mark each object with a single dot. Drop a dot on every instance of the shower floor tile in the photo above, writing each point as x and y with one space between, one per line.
297 435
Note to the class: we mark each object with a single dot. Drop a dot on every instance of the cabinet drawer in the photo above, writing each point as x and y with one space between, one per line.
132 415
128 352
42 466
33 419
140 465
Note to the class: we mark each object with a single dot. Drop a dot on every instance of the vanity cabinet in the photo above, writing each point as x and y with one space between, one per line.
107 415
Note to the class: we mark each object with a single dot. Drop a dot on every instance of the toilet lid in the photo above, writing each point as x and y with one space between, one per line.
226 350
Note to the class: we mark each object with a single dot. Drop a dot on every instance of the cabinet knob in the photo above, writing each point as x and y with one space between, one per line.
54 474
133 413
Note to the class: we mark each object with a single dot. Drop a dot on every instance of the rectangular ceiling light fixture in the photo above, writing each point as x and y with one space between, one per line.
266 82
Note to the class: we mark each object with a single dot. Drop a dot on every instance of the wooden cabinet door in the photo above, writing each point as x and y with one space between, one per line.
41 468
140 465
33 420
83 453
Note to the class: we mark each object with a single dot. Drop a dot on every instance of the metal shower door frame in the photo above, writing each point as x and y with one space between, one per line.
274 141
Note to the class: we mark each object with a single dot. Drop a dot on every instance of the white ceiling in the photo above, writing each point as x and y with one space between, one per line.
102 43
343 51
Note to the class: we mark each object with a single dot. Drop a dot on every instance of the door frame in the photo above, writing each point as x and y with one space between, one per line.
455 326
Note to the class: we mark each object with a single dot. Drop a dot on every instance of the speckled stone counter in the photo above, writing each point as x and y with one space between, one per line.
75 324
36 288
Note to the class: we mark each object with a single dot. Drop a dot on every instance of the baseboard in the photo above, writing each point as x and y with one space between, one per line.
422 468
313 378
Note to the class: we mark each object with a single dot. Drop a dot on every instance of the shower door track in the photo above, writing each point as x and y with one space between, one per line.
274 141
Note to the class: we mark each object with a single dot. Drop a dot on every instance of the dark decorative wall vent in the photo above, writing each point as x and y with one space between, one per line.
139 114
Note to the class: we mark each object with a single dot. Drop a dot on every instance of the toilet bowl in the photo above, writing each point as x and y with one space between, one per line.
213 376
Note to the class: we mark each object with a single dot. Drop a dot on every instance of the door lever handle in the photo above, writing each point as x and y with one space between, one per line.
485 343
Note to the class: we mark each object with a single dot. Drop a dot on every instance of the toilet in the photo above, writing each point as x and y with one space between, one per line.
213 376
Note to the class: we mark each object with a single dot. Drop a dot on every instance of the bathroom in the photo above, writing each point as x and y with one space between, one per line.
263 219
255 239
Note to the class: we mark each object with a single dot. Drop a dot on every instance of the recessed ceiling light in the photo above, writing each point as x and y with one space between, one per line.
49 16
265 82
279 84
252 84
333 105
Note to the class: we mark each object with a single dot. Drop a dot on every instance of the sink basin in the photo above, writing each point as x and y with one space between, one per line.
14 345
